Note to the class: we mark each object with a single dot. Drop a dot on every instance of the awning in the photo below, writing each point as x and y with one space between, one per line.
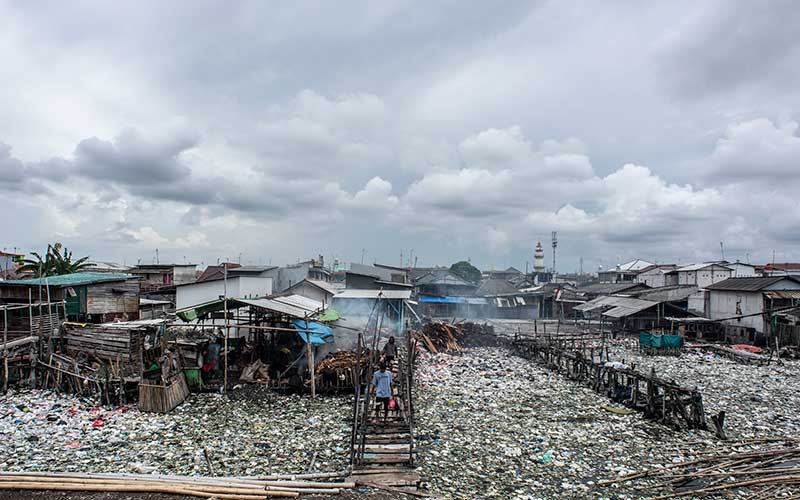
426 299
329 315
195 312
317 332
783 294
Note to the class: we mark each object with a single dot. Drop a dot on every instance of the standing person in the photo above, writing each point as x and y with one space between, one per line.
390 351
382 389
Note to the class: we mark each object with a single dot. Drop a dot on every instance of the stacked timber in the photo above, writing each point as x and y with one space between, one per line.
770 472
439 337
230 488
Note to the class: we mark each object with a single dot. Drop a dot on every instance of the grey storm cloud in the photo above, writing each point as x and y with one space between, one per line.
732 44
132 160
461 130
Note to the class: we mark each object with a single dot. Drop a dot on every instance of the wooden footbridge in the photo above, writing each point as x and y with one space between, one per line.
382 450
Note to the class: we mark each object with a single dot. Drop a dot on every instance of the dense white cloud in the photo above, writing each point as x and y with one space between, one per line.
282 133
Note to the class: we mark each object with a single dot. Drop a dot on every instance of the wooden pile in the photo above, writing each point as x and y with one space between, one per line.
338 369
439 337
771 472
228 488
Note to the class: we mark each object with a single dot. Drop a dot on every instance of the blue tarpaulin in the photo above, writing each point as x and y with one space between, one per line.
452 300
317 331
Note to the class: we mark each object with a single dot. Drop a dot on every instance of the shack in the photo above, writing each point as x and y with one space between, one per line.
87 297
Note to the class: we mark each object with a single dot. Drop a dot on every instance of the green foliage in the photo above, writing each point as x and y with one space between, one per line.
466 271
57 261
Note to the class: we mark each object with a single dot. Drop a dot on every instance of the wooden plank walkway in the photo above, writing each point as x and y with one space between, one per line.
383 451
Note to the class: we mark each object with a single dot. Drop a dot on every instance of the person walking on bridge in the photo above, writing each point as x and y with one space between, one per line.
381 387
390 352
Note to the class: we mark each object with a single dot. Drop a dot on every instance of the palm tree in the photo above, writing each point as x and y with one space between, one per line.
57 261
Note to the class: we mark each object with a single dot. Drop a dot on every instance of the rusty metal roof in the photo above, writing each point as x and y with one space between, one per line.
749 284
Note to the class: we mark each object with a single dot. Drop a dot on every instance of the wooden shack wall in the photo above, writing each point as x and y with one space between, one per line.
116 344
113 299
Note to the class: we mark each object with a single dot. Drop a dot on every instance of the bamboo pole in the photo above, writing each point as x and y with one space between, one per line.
143 488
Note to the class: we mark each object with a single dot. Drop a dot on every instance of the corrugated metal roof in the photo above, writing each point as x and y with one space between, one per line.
275 306
372 294
309 305
701 265
613 302
629 307
749 284
74 279
783 294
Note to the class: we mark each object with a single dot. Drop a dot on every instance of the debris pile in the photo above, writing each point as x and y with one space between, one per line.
761 473
438 337
250 431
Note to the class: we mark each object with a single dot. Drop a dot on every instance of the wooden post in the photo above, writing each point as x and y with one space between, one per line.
5 349
227 331
311 367
49 310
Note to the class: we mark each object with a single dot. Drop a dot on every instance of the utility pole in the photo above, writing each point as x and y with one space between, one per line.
722 250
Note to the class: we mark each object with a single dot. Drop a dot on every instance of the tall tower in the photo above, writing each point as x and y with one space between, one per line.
538 258
555 244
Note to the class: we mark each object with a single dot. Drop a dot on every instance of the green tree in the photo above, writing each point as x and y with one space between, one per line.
466 271
57 261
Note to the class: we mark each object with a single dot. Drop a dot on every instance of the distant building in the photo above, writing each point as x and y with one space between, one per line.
747 302
287 276
656 276
96 266
8 260
780 269
505 275
321 291
156 277
624 273
702 275
238 286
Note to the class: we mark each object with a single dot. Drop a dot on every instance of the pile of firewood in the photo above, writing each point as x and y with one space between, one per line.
341 360
439 337
768 472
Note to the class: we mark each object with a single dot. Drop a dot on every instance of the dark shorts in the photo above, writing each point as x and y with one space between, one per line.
389 359
383 401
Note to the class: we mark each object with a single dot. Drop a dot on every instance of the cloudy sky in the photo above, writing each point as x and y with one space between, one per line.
280 131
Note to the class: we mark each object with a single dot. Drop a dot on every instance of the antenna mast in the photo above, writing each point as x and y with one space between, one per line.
555 244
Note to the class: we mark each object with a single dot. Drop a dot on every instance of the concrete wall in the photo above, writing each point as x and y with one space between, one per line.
725 303
704 277
240 286
742 270
654 278
184 274
310 291
252 286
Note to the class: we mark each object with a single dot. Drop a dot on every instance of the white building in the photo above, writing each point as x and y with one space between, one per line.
624 273
703 275
655 276
743 301
242 287
742 270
